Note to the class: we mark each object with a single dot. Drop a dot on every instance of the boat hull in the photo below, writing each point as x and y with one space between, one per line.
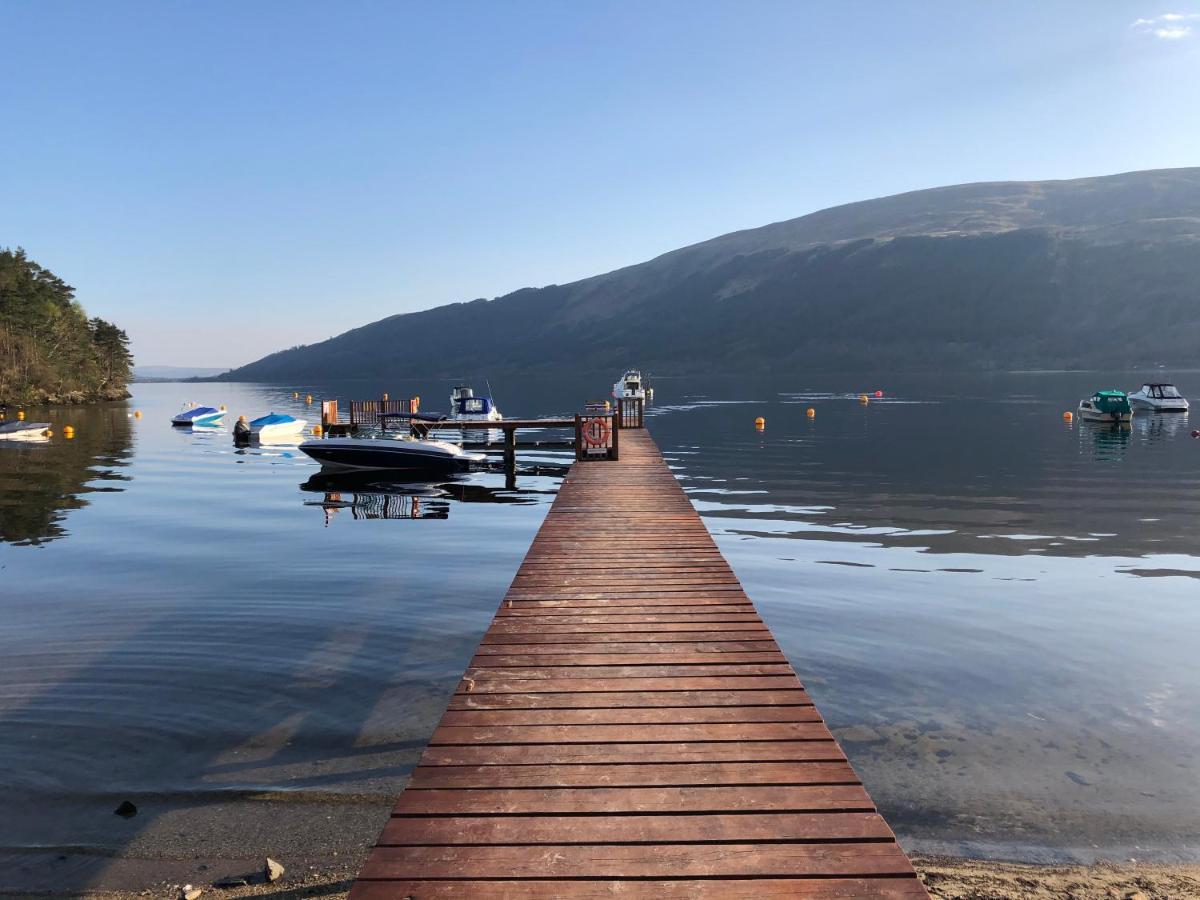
23 431
355 454
277 432
207 419
1158 406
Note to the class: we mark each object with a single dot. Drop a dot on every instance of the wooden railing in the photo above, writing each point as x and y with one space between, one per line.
632 411
367 412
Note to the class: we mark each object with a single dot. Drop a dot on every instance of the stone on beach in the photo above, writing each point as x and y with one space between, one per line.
274 870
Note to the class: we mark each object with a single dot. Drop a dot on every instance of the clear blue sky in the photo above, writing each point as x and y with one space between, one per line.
226 179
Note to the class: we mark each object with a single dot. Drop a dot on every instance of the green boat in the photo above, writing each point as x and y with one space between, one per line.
1106 406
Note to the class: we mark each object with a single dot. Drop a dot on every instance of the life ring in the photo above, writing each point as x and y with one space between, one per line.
595 432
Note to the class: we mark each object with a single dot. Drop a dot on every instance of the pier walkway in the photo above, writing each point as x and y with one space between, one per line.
628 727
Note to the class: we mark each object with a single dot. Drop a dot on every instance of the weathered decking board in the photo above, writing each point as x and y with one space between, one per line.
628 727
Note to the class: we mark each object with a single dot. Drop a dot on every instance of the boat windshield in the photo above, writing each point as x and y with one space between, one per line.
473 405
1168 392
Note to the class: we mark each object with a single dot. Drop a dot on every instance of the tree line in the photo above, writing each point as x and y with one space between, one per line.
50 351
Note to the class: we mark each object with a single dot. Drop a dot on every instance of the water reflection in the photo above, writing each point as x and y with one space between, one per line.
394 495
41 481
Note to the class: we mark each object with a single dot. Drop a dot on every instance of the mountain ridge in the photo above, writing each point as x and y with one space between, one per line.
981 275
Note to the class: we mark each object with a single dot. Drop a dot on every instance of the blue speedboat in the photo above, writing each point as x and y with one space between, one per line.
199 415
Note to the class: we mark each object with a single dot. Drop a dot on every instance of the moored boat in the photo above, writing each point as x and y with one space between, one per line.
1106 406
632 385
275 425
199 415
395 454
466 407
1158 397
23 431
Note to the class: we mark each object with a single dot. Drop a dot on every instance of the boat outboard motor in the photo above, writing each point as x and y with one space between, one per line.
241 432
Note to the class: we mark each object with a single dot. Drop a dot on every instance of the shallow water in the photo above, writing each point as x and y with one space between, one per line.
995 610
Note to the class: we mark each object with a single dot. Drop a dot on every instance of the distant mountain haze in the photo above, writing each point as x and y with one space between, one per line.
1054 274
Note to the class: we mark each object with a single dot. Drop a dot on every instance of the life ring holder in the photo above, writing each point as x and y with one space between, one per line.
596 432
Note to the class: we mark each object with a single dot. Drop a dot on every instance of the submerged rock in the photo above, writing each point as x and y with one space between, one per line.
126 810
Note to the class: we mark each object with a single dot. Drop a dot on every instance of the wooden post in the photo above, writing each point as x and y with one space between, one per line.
615 430
578 438
510 449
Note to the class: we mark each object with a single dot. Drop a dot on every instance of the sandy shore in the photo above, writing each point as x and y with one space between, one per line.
947 879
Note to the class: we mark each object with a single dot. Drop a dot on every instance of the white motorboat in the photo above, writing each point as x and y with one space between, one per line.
23 431
1106 406
273 426
199 415
632 385
1158 397
395 454
466 407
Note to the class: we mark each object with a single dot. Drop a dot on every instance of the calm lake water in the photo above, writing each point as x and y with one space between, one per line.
996 611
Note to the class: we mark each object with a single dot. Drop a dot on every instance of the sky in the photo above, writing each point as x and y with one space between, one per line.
227 179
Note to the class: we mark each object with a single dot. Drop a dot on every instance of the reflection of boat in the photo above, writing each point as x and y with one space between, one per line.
631 385
199 415
466 407
273 426
396 454
377 495
23 431
1158 397
1106 406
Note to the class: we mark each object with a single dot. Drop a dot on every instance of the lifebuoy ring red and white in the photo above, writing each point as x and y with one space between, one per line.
595 432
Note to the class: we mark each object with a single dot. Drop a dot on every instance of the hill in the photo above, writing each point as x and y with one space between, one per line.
173 373
1072 274
50 351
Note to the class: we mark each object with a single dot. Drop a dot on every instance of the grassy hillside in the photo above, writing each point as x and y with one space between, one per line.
1090 272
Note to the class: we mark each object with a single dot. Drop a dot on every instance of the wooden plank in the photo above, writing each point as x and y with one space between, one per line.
579 801
594 734
638 861
637 699
634 775
601 829
622 753
628 727
658 889
670 715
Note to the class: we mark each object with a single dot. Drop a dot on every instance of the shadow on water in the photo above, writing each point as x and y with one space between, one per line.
317 724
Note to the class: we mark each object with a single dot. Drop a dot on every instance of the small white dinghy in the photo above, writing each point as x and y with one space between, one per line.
199 415
274 426
23 431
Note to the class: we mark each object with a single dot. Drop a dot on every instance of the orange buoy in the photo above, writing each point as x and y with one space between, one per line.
863 398
810 412
1068 416
760 423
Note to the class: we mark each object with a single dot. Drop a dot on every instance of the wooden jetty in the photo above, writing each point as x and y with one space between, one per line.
628 727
